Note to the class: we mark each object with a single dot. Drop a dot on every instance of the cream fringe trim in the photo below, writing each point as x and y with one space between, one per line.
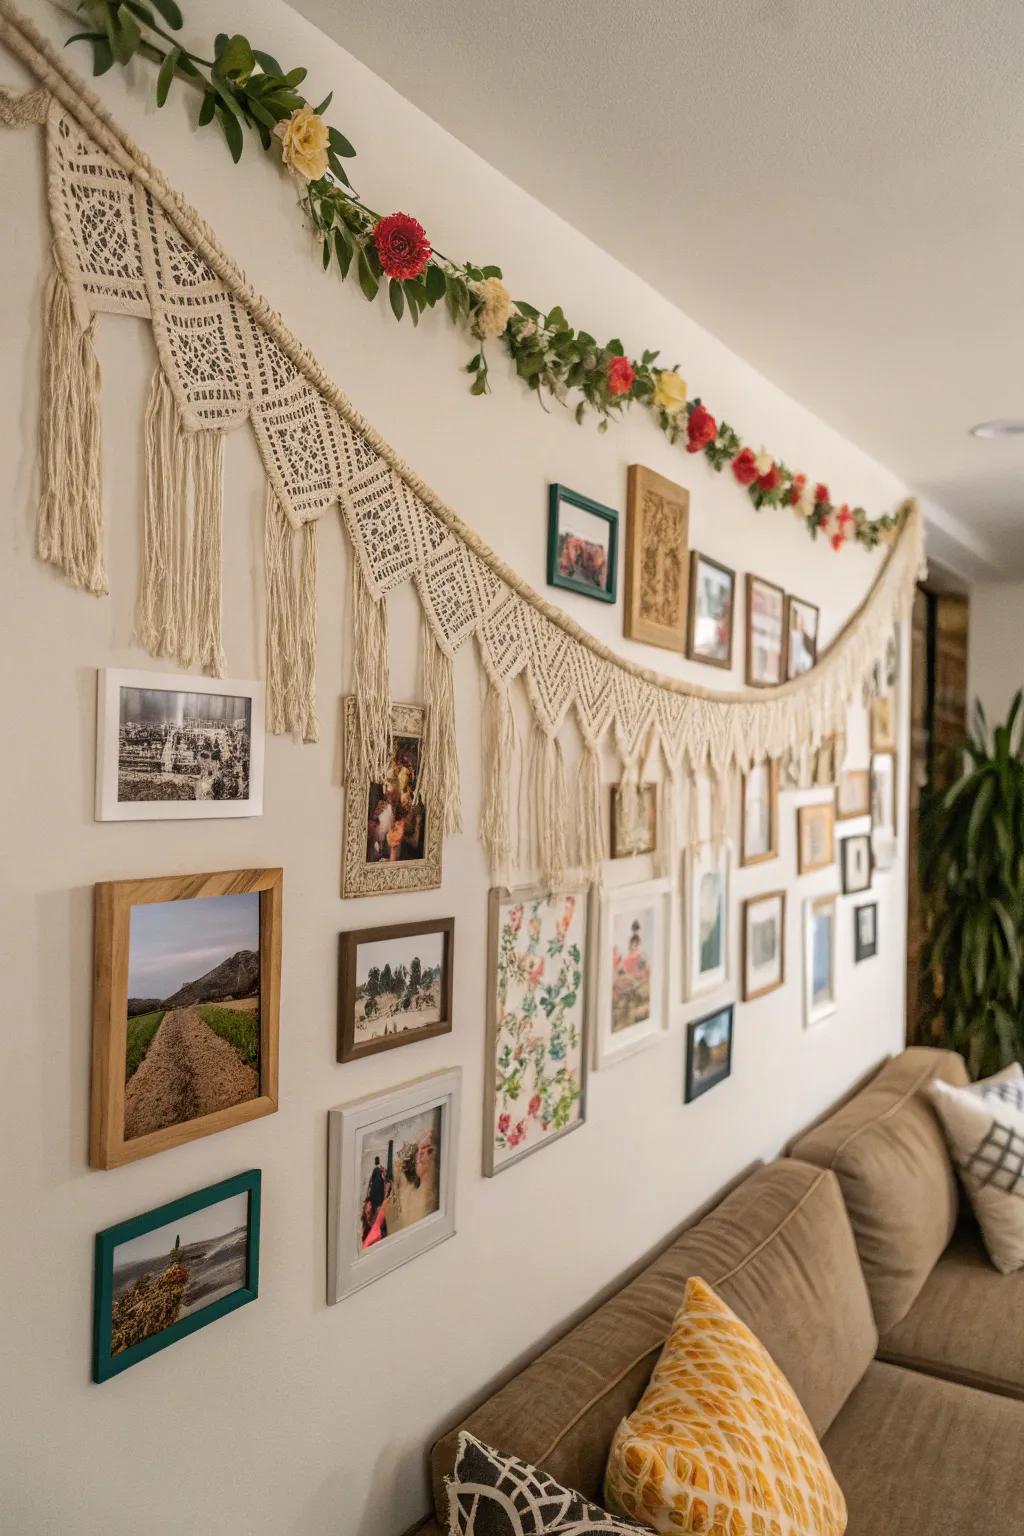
500 743
440 782
157 613
291 624
370 750
550 809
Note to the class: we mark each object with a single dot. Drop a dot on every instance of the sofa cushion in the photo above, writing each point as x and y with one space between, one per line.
494 1495
968 1322
900 1189
778 1250
718 1441
916 1456
984 1125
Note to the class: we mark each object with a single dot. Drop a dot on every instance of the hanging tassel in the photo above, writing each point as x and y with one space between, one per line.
370 751
548 806
693 811
721 805
439 777
307 720
291 625
202 590
499 746
70 519
590 818
665 852
156 613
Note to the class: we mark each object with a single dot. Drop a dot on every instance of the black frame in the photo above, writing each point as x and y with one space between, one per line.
844 855
860 951
556 495
691 1093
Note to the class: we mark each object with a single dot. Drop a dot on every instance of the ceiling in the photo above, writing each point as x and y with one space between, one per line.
833 190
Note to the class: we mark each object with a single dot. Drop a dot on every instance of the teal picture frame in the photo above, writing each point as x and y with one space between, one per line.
104 1362
559 496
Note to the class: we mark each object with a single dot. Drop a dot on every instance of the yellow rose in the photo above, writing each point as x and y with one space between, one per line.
763 462
496 308
669 392
304 143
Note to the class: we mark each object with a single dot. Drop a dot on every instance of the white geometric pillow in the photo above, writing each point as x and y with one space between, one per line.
984 1125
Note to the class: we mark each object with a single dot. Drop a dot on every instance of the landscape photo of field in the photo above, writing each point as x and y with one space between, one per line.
398 985
192 1042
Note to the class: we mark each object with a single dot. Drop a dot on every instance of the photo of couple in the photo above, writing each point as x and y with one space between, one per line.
396 820
399 1177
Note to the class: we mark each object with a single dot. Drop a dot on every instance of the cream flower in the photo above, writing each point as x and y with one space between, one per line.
304 138
805 501
669 392
763 462
495 310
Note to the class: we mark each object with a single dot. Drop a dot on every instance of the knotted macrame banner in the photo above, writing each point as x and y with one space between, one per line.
125 243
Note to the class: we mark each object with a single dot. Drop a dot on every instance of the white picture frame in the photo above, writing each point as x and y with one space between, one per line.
705 860
820 991
111 684
350 1265
648 905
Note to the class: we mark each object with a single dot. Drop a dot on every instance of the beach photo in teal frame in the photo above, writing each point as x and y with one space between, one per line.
209 1254
594 536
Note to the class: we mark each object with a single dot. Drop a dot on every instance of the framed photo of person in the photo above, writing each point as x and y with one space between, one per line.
855 863
764 944
535 1080
395 986
657 542
186 1000
853 794
766 633
759 838
392 839
707 918
708 1052
883 728
164 1275
816 847
865 932
174 748
634 820
632 959
391 1179
583 545
819 959
712 602
801 636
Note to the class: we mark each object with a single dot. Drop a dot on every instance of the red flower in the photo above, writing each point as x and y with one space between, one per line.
534 1106
620 375
768 481
837 541
701 429
744 466
402 245
796 490
504 1121
821 493
845 515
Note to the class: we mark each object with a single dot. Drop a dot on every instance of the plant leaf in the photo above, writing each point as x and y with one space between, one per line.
232 132
166 75
168 9
397 298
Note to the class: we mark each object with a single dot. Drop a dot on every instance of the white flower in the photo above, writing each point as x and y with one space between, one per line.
495 310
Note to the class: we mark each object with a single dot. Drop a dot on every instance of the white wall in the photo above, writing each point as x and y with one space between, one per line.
995 648
289 1416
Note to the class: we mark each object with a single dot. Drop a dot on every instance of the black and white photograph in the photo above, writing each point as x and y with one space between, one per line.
855 863
173 747
865 932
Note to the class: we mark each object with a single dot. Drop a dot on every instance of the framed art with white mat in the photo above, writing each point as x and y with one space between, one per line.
764 944
706 878
819 959
633 958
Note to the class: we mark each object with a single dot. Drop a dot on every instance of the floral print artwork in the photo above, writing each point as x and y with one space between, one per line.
538 1033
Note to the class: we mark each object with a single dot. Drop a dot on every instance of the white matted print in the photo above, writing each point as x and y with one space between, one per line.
633 960
819 959
707 918
172 747
391 1177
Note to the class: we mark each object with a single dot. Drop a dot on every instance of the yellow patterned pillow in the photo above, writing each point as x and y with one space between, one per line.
718 1443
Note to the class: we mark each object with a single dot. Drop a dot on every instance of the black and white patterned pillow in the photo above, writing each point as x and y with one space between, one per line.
494 1495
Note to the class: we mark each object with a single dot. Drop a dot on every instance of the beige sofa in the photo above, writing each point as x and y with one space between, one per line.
851 1260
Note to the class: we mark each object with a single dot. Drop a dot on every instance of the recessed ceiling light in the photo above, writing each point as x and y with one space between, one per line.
1012 427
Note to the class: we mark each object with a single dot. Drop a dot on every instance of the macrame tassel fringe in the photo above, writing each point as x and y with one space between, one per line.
157 613
200 633
693 811
721 805
70 521
499 746
291 625
665 853
439 779
370 751
591 821
548 807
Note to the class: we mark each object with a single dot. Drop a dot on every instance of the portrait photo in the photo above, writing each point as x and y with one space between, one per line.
395 986
633 976
801 636
764 944
392 841
766 633
712 595
706 878
582 544
708 1052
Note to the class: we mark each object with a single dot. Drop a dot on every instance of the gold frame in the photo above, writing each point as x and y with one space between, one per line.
805 814
635 624
773 791
773 986
359 878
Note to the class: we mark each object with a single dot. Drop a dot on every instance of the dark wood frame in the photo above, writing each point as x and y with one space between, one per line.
748 625
691 1030
348 946
819 807
791 598
113 903
691 618
773 790
650 790
847 888
860 953
754 901
634 625
557 494
853 773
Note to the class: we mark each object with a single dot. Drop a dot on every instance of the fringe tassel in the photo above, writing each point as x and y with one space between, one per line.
201 590
156 613
665 852
693 812
291 625
496 807
549 809
721 805
370 752
439 780
591 820
70 519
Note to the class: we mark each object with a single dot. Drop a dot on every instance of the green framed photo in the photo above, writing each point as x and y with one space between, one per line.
583 545
167 1273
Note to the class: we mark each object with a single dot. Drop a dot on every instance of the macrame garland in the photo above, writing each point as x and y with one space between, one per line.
548 808
499 748
291 623
665 857
370 751
157 612
721 804
692 810
200 633
591 820
70 519
439 782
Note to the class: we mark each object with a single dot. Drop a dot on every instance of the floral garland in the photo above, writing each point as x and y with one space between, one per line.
245 87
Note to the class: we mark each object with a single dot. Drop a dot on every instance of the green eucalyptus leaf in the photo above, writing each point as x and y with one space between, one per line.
102 56
125 36
435 283
168 9
340 144
322 108
166 75
207 109
368 282
232 132
342 249
267 62
140 12
235 60
396 298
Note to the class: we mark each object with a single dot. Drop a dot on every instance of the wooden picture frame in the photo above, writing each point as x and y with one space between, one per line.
109 1145
174 1215
349 945
801 658
807 818
749 958
585 585
882 723
853 794
697 561
693 1087
705 944
865 948
819 1003
771 769
657 545
380 876
754 673
626 842
848 846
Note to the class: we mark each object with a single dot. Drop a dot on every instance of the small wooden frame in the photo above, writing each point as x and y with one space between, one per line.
697 560
883 734
759 675
853 794
809 820
349 944
368 868
657 541
801 635
750 992
108 1145
747 855
627 840
583 573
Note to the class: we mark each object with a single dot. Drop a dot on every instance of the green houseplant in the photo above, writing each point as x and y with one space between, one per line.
971 868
